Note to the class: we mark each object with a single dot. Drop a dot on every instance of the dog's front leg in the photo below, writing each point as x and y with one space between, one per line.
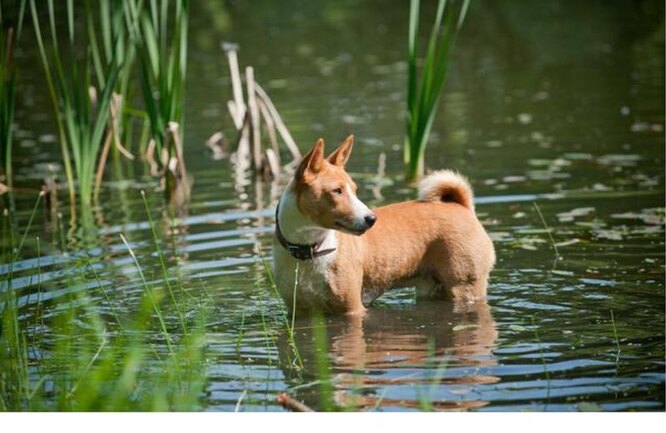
346 291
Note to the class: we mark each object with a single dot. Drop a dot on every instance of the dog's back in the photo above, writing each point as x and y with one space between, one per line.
437 237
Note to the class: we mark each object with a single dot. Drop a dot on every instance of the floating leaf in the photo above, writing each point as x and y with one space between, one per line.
462 327
598 282
567 243
619 159
538 162
612 235
513 179
525 118
563 273
578 156
500 236
588 406
648 216
574 213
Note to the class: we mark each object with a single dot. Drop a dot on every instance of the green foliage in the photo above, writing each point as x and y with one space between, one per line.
424 90
86 89
161 37
8 38
94 361
81 101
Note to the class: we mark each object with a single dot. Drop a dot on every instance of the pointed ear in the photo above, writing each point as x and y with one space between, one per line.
312 163
340 155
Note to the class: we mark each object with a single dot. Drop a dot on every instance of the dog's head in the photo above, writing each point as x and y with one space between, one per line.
327 195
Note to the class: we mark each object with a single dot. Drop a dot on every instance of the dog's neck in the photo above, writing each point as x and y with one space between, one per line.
296 227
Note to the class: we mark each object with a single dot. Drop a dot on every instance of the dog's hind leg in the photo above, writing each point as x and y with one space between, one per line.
467 289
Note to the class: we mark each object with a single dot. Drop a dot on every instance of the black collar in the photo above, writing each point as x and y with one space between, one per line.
299 251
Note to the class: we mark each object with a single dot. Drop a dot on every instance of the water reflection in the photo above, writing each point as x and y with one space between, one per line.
428 355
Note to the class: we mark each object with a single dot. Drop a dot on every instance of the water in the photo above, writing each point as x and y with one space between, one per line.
560 104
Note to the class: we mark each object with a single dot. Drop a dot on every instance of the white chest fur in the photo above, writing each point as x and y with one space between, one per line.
312 285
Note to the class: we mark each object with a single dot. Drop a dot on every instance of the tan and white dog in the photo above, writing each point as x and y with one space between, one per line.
336 253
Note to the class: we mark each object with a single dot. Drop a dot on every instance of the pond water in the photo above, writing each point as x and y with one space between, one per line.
559 104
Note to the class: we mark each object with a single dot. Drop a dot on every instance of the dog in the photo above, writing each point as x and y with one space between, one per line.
333 254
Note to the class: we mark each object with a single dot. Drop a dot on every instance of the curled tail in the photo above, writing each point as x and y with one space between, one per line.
446 186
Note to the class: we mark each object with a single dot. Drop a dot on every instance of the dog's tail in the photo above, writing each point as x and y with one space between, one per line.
446 186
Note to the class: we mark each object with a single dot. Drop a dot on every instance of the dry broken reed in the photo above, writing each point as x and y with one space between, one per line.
252 111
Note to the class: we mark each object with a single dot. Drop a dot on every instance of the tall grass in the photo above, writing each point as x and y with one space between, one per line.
90 91
160 33
92 357
110 39
14 374
425 84
81 99
7 84
289 324
8 38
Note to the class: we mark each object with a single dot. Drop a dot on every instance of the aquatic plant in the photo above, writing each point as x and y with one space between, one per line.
7 84
8 39
82 100
84 355
160 35
424 89
289 324
113 42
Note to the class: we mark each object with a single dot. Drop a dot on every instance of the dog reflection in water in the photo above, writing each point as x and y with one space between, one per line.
395 358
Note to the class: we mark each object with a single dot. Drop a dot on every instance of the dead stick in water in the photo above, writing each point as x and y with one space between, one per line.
282 129
243 143
174 130
102 163
239 113
288 402
257 155
273 163
270 126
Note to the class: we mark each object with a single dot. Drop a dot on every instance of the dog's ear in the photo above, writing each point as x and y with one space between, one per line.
340 155
312 163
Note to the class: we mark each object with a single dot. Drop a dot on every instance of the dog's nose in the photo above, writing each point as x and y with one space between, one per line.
370 220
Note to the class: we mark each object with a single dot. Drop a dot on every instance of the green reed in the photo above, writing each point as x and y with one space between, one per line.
8 38
81 99
287 323
615 334
549 231
14 376
424 87
88 359
160 33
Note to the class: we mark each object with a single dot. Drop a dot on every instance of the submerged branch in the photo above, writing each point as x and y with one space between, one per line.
288 402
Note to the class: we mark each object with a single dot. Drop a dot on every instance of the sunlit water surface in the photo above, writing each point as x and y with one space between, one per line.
559 104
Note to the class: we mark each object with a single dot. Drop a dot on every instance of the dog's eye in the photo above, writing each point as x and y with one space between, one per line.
337 191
